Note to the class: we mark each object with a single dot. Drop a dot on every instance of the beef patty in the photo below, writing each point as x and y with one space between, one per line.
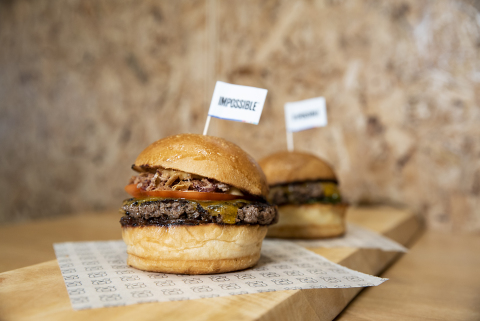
157 211
305 192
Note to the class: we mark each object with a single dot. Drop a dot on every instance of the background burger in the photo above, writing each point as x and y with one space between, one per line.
198 207
305 189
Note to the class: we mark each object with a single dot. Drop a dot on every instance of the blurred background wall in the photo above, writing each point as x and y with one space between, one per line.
86 85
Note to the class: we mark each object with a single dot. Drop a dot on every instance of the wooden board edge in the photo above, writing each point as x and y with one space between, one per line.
340 298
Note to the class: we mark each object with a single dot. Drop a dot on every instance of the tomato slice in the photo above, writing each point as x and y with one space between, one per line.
191 195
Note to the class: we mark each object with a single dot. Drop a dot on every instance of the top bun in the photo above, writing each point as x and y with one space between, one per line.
207 156
289 167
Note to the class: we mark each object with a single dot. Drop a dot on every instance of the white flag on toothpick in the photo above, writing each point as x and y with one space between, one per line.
238 103
304 114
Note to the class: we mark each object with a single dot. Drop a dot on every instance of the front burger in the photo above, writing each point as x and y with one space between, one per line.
305 188
198 207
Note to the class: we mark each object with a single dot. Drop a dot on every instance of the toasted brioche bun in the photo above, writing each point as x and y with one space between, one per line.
207 156
289 167
198 249
309 221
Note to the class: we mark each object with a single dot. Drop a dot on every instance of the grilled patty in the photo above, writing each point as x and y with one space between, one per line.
156 211
305 192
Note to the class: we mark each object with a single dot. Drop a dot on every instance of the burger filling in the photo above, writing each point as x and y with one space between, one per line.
166 211
172 180
305 192
154 204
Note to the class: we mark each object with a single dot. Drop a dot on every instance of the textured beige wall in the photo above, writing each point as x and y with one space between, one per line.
86 85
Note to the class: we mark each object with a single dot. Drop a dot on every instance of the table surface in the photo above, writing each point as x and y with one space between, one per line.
437 280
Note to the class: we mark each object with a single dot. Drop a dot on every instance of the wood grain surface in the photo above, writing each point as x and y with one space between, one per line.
438 279
38 291
31 243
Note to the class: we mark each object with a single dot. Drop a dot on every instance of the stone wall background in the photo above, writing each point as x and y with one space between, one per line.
86 85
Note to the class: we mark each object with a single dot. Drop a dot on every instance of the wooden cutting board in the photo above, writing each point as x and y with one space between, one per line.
38 291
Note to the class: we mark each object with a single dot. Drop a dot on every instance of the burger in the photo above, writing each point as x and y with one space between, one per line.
198 207
305 189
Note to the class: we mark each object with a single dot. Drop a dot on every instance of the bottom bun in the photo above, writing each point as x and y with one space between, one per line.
309 221
198 249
